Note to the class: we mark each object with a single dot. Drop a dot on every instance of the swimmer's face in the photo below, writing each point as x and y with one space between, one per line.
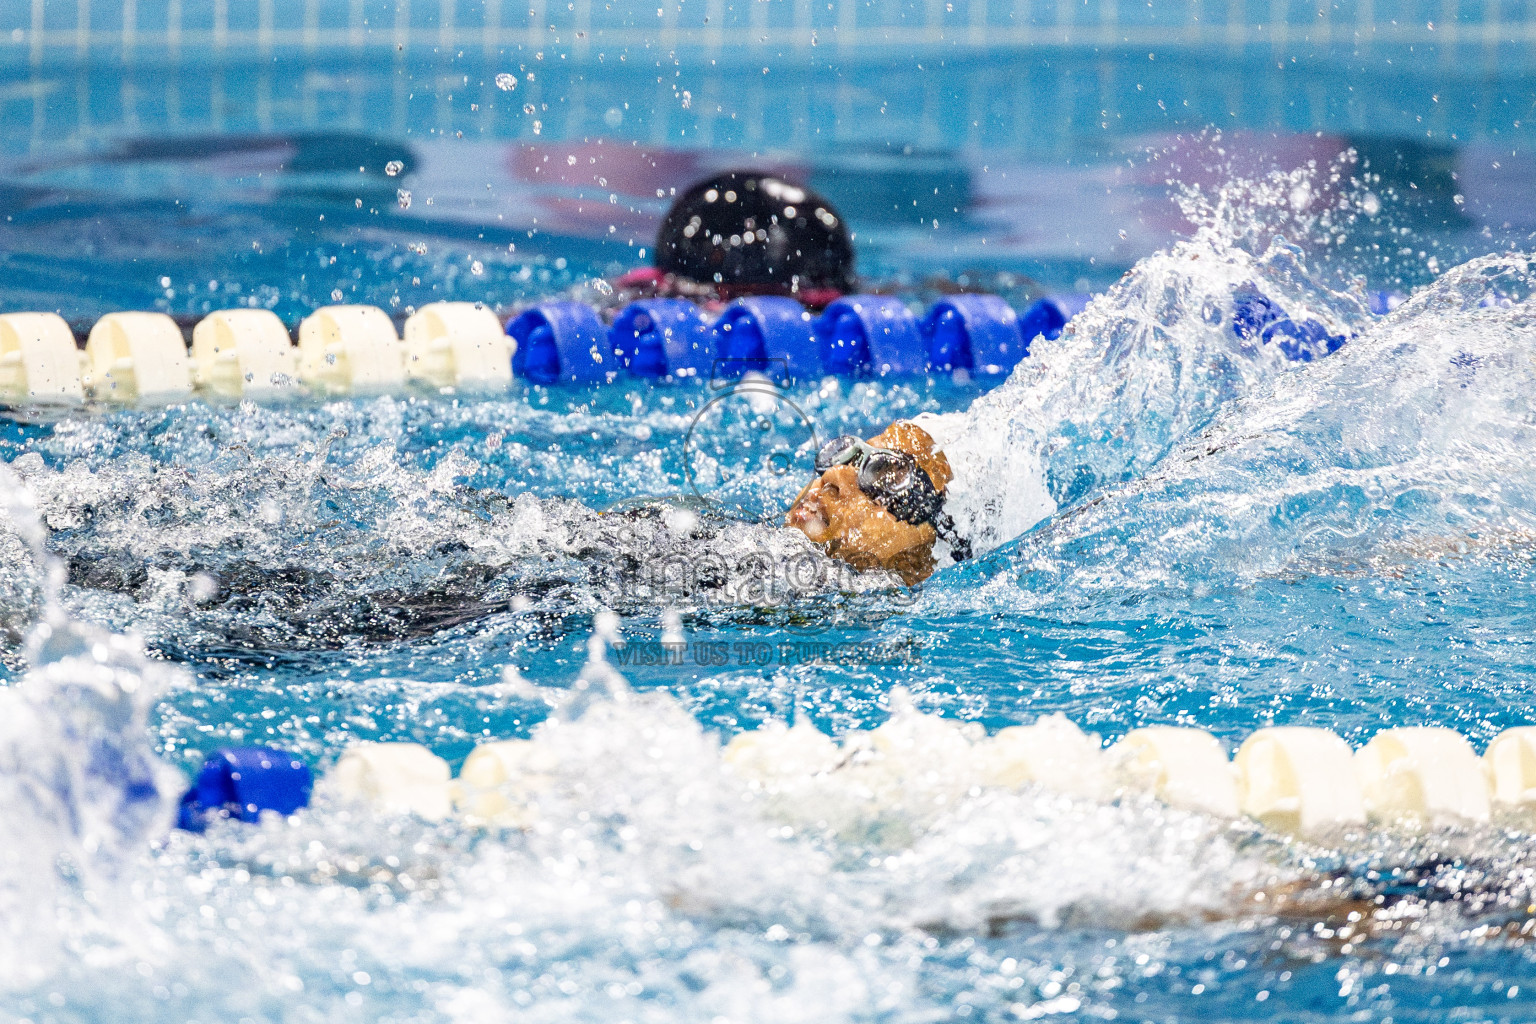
834 511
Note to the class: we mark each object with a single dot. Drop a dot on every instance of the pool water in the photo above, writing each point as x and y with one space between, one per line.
1241 540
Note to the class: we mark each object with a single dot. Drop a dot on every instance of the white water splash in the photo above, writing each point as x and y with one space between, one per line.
1411 442
82 789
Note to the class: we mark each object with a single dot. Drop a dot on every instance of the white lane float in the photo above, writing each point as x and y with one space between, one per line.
880 784
399 778
913 762
1422 775
242 352
1185 768
1299 780
796 772
1052 752
874 786
350 349
501 781
39 363
1510 761
458 345
138 359
775 758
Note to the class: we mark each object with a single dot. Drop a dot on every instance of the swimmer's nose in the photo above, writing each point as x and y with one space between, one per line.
808 505
809 515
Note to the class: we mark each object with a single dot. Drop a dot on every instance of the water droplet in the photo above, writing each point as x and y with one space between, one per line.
394 167
528 108
506 82
336 294
404 198
202 588
477 268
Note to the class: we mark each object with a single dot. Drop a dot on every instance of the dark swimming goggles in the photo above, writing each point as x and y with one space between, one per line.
897 483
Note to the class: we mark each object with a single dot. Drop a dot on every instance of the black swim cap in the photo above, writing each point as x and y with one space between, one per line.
758 232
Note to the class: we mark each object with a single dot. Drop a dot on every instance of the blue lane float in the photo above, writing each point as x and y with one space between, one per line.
1047 318
870 334
561 342
1043 319
241 783
566 342
767 334
661 338
974 332
1257 317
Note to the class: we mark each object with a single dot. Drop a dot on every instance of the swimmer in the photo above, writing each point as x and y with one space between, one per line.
909 500
747 233
879 504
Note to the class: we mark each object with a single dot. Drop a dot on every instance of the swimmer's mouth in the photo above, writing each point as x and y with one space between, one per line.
808 519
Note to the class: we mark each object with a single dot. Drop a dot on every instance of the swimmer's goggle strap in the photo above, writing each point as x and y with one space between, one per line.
898 484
